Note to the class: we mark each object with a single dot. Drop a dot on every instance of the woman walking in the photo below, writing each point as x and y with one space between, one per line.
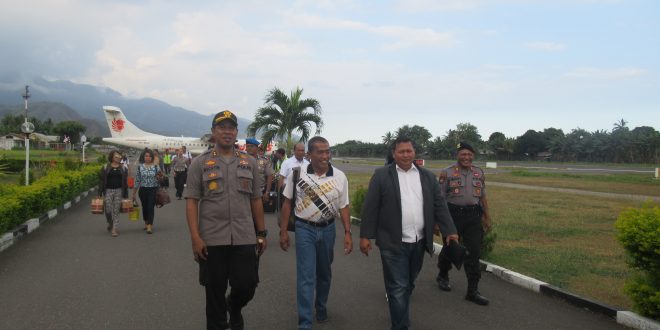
146 183
113 186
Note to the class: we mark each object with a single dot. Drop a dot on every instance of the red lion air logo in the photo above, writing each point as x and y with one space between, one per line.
117 125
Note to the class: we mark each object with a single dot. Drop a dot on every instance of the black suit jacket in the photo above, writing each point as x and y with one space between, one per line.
381 212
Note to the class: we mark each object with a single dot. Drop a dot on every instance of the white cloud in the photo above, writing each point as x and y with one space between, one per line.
438 5
600 73
400 37
546 46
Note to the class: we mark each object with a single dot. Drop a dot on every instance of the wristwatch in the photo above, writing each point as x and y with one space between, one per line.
262 233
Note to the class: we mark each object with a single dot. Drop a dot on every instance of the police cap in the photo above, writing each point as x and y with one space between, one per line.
252 141
224 115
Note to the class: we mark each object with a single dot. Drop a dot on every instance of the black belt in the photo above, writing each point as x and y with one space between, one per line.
464 209
316 223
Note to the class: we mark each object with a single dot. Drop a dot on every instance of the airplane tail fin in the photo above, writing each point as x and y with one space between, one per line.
119 125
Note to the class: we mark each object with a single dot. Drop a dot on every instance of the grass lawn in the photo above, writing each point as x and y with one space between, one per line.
621 183
567 240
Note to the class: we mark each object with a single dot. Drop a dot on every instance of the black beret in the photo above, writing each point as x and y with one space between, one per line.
464 145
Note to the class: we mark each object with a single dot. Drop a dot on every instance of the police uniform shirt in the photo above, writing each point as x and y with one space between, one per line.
463 187
318 198
224 188
265 169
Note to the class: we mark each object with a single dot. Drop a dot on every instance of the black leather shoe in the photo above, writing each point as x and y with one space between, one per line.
443 283
476 298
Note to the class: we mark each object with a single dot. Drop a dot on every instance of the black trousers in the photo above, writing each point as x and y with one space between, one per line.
148 201
179 181
235 265
471 234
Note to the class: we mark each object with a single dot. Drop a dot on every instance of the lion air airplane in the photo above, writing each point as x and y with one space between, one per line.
126 134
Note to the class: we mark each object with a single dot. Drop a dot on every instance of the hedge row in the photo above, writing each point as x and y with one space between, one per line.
639 233
17 165
21 203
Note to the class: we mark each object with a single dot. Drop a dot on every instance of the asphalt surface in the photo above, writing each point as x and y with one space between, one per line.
70 274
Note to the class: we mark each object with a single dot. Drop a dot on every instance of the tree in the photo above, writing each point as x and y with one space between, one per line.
620 141
72 129
644 143
388 138
529 144
496 143
282 115
577 145
438 149
465 132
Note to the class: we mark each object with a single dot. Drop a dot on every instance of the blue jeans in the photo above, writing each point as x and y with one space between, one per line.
314 255
400 269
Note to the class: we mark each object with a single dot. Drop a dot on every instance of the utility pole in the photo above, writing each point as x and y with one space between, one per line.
27 128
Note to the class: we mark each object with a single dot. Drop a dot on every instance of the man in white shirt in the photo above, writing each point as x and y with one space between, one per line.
402 207
321 197
297 160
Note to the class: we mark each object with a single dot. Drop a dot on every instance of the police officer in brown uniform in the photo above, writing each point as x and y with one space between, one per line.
226 222
464 187
263 163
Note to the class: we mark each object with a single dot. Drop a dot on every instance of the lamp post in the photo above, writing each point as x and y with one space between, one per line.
83 141
27 128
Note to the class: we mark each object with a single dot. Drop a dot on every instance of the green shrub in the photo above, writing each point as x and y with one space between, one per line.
71 165
21 203
10 213
645 294
21 177
639 233
358 201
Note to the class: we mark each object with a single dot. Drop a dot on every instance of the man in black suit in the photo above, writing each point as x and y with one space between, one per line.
401 208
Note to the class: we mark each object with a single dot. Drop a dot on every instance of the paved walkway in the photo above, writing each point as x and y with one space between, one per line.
70 274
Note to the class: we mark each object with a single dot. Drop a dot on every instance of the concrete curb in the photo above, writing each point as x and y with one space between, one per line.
9 238
627 318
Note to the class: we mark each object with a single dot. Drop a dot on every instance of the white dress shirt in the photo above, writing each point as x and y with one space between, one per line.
291 163
412 204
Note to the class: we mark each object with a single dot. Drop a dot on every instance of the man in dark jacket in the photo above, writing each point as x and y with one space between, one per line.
401 208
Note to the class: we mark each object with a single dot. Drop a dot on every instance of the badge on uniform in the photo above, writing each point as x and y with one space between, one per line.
476 174
244 164
213 175
213 185
210 162
456 191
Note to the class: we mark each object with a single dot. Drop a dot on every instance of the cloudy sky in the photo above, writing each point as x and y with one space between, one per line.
501 65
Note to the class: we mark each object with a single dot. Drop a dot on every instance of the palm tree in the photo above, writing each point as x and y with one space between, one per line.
282 115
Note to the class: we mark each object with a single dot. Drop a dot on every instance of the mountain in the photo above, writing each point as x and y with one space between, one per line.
57 112
86 101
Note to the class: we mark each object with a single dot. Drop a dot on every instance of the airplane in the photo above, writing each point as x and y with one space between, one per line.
125 133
